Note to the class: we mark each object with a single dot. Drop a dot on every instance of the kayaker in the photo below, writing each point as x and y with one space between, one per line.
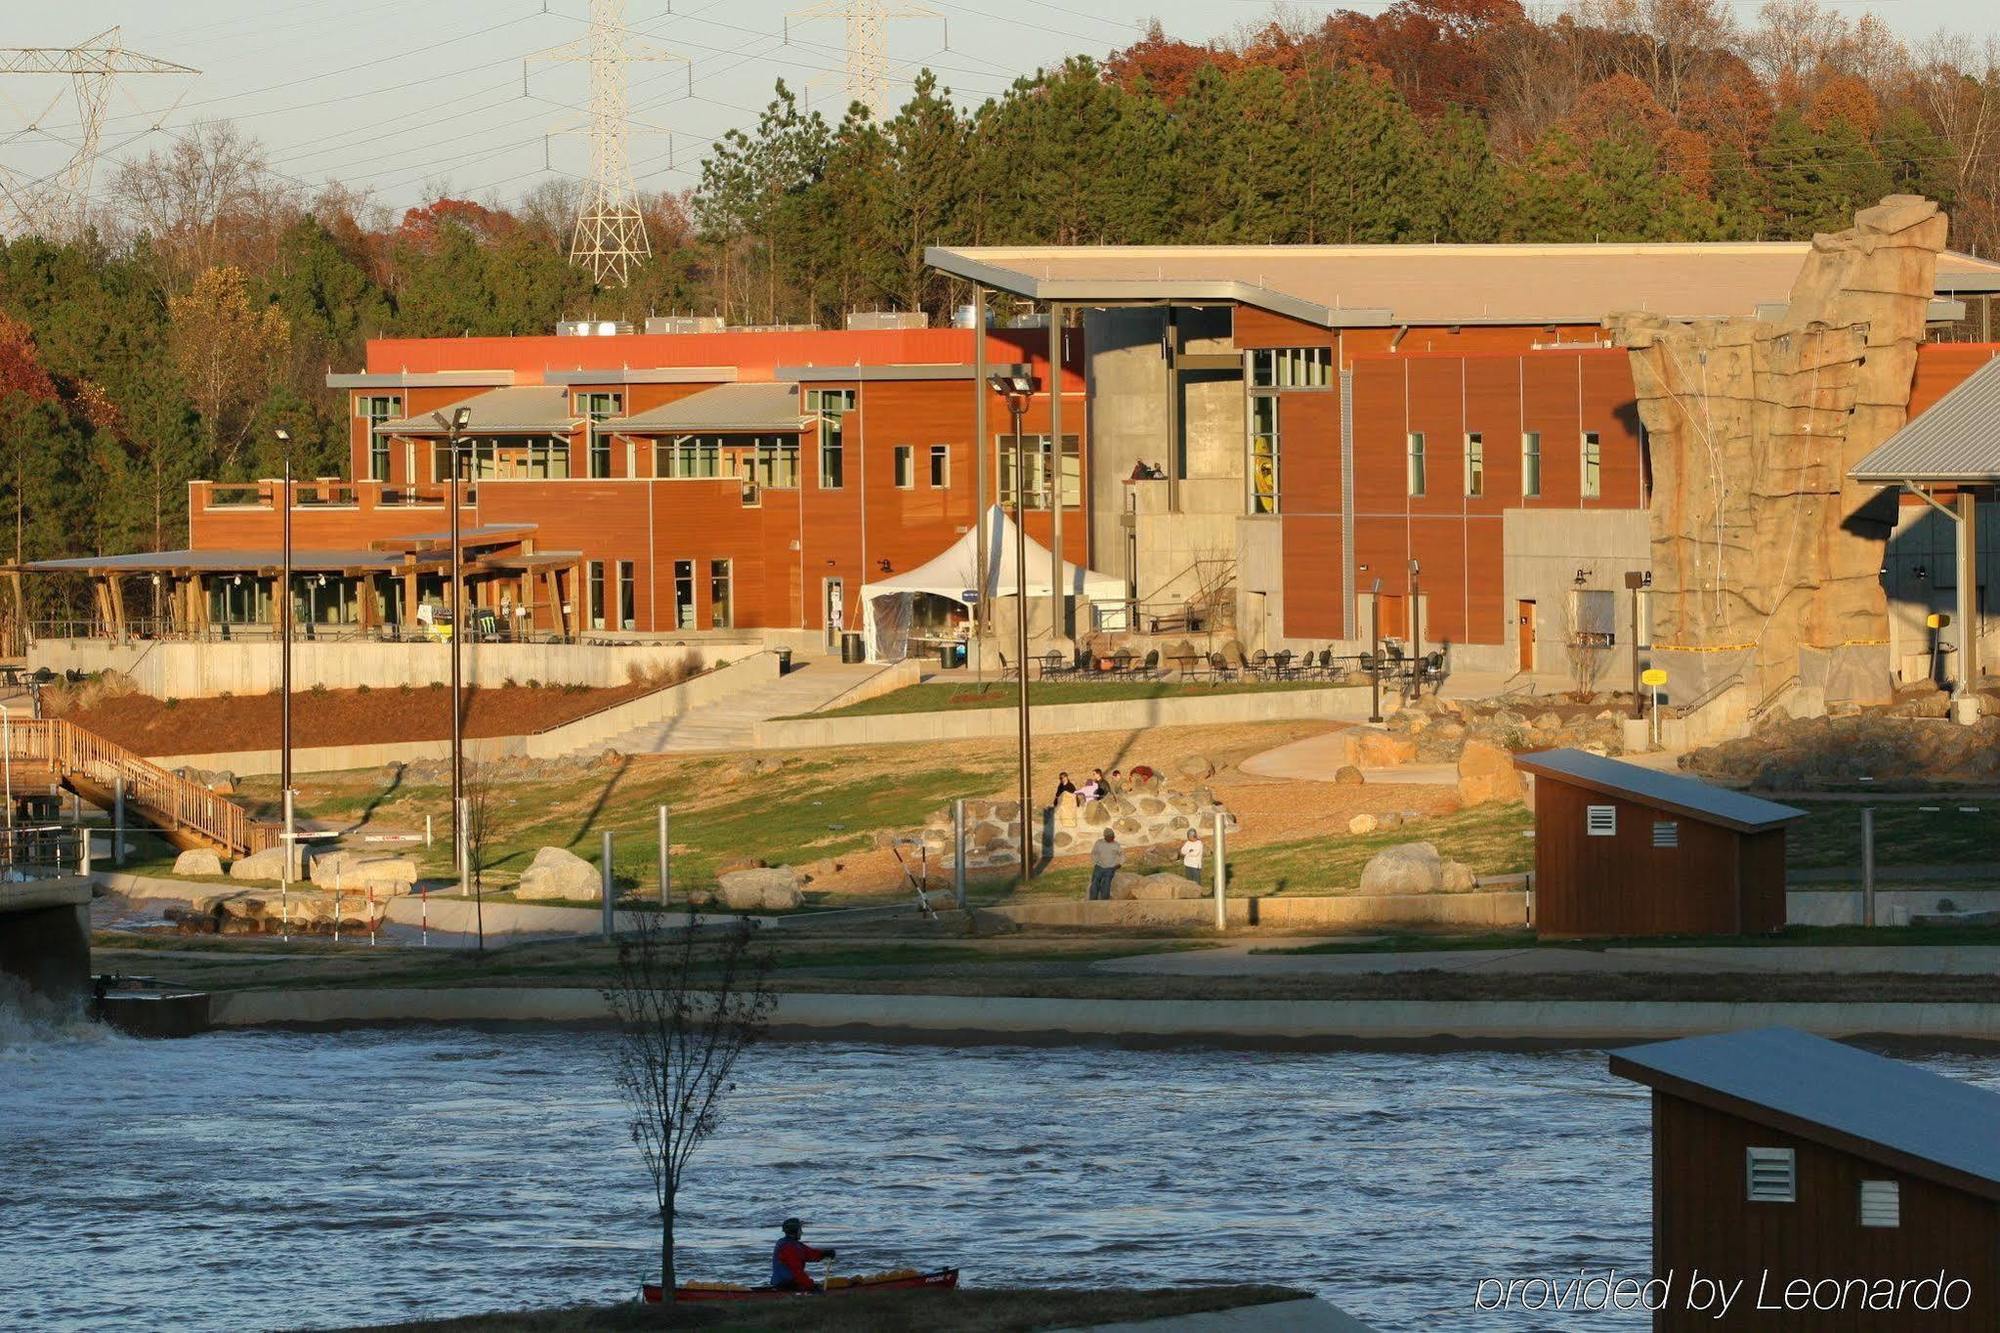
790 1257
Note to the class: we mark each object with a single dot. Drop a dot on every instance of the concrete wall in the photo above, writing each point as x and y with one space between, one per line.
45 935
1128 419
1334 703
569 738
1545 548
1926 540
173 670
1489 908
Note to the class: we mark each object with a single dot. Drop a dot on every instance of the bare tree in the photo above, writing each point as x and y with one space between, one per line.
688 1002
209 200
1588 649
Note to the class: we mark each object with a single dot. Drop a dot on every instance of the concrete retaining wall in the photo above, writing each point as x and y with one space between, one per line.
568 738
1492 908
1335 703
956 1019
45 935
888 680
203 670
1842 907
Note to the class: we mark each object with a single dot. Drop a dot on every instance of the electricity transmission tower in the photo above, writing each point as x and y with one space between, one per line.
58 206
610 238
867 60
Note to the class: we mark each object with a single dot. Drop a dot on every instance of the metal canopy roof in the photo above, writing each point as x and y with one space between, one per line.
1884 1110
222 561
528 409
1360 285
1668 791
1956 439
727 407
485 534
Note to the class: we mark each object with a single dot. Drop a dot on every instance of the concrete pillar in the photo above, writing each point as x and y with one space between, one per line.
982 451
118 821
1058 620
609 887
1967 507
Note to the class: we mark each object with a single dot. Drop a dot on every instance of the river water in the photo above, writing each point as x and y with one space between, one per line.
287 1179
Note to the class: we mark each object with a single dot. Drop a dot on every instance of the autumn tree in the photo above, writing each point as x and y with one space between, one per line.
225 349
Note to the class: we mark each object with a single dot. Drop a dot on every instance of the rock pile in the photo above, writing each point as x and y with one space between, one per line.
1793 754
1414 867
1437 731
1141 819
268 912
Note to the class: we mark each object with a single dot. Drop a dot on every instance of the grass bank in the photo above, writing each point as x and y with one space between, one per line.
970 1310
951 696
1940 831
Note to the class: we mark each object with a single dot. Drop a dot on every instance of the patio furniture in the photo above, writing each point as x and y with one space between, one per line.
1193 666
1219 668
1052 665
1151 666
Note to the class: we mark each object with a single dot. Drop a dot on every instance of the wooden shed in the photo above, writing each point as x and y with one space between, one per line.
1626 850
1843 1190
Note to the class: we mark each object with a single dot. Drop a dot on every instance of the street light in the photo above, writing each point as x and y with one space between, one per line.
1018 388
454 429
284 612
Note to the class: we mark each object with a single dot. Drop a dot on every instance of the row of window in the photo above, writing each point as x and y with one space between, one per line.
613 594
1771 1175
1591 452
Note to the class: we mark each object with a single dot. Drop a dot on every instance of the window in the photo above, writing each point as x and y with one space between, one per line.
1291 367
683 594
1036 448
1666 833
831 406
688 457
1263 453
600 406
505 456
1531 464
720 613
628 597
1593 460
775 462
1475 465
1416 462
1601 821
1770 1175
379 408
1881 1203
940 466
906 467
600 453
596 594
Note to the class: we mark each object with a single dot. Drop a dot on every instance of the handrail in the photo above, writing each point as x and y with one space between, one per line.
166 798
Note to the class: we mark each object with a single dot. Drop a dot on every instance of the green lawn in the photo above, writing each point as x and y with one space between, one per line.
1905 834
939 697
1789 937
1489 838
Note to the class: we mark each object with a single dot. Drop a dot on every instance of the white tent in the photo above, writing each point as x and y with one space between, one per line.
954 573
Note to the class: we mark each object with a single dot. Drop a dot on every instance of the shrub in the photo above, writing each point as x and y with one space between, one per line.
636 674
171 702
534 684
361 689
319 687
508 684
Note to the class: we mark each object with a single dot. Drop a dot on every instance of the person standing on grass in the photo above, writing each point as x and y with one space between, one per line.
1191 854
1106 856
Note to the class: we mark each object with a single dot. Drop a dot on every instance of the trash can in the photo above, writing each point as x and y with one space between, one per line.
945 655
784 661
851 647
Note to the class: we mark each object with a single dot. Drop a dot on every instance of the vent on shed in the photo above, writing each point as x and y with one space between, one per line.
1666 833
1601 821
1881 1204
1772 1175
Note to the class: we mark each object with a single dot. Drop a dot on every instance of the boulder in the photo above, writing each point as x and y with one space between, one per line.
1370 748
1161 887
1362 823
765 889
1347 775
352 870
1487 773
557 873
1195 766
197 861
1388 821
1547 721
1408 867
267 864
1456 878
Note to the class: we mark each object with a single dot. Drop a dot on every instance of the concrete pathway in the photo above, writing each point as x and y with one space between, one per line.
1238 960
731 723
1318 758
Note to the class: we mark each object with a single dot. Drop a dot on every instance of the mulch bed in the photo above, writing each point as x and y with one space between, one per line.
336 717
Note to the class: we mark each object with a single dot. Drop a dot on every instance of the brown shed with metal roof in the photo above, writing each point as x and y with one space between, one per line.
1626 850
1840 1189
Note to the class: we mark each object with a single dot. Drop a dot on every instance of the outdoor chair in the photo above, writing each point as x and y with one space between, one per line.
1052 665
1219 668
1121 663
1152 663
1005 670
1281 664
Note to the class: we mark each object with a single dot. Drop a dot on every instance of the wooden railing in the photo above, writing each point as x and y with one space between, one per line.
163 798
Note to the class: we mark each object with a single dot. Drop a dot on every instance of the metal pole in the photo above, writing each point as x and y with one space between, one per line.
285 653
1375 672
1058 599
457 639
427 830
982 489
1017 404
460 852
7 759
958 851
339 884
291 836
1413 688
666 860
1221 871
610 889
82 847
118 821
1867 865
424 917
1636 581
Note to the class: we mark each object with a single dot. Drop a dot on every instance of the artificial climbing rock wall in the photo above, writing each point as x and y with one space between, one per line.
1766 558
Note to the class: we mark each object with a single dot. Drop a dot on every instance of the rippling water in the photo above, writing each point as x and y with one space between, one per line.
284 1179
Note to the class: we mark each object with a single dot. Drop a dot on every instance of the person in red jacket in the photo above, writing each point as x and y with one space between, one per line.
790 1257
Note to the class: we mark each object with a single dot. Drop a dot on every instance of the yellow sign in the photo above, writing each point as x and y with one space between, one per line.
1938 619
1654 675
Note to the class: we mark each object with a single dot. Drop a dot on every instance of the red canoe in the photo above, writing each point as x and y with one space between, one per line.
944 1279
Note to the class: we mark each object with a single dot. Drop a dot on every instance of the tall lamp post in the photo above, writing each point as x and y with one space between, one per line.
284 613
454 430
1019 389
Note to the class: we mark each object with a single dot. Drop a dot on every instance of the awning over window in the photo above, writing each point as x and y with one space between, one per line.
529 409
726 407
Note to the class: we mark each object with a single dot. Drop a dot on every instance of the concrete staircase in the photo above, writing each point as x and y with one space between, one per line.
730 724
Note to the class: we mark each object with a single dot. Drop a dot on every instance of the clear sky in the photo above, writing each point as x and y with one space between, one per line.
401 96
